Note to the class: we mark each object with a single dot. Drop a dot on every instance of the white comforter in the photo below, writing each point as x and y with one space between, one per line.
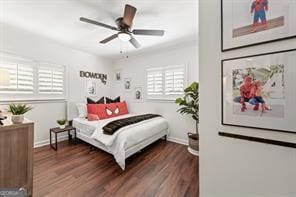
128 136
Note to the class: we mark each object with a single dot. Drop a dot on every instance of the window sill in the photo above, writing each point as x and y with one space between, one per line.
33 101
161 100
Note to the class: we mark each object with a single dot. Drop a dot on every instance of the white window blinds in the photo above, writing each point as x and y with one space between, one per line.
154 82
51 80
174 81
166 82
21 78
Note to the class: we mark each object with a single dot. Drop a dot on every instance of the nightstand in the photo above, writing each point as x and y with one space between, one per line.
57 130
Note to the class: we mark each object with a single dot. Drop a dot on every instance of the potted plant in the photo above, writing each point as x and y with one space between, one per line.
18 111
190 105
61 123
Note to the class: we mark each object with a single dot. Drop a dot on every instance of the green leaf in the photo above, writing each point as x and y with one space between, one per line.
190 103
61 122
179 100
18 109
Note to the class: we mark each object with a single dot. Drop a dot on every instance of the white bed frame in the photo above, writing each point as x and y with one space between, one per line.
131 150
72 113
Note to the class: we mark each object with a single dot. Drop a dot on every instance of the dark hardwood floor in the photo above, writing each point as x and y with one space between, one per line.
162 169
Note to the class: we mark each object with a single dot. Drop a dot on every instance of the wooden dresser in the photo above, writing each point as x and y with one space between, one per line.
16 155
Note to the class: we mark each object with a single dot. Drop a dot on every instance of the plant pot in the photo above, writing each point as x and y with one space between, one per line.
193 143
62 126
16 119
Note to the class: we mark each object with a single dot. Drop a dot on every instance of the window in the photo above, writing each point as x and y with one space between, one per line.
50 80
29 80
21 77
166 82
174 81
154 82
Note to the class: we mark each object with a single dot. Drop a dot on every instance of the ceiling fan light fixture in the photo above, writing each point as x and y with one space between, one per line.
124 30
124 37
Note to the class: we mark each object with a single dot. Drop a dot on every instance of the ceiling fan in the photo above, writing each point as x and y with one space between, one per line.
124 25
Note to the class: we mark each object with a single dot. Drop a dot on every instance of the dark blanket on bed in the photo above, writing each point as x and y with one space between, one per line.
115 125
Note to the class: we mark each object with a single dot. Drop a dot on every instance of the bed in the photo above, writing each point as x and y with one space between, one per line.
126 141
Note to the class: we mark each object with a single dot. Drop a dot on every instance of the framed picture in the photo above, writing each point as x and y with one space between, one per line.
127 84
138 94
118 75
259 91
252 22
91 88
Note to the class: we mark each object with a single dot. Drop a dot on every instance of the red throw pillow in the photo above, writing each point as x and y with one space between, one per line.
92 109
92 117
110 110
122 107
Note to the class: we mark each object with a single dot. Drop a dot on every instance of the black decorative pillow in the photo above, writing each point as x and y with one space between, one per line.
100 101
116 100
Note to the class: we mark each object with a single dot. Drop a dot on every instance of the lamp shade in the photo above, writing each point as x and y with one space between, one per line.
124 37
4 78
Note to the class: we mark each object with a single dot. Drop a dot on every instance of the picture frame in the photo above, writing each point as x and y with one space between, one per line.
127 84
241 24
271 76
118 76
138 94
91 88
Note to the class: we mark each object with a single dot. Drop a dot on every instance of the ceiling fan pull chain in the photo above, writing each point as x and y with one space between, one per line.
121 47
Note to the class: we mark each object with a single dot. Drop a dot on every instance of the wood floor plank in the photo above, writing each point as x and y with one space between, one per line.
161 169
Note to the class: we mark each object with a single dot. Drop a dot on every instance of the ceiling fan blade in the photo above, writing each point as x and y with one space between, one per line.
148 32
86 20
129 14
109 39
134 42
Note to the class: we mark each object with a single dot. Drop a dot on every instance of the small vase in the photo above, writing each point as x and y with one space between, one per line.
16 119
62 126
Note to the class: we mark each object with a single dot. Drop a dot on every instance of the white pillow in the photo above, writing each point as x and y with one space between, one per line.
82 110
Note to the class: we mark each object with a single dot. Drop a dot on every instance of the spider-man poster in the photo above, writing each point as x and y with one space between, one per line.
249 22
259 91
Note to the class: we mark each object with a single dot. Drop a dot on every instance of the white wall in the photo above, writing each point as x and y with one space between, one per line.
231 167
134 67
29 45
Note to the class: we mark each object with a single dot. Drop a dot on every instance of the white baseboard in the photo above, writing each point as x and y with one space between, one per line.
193 152
65 137
177 140
46 142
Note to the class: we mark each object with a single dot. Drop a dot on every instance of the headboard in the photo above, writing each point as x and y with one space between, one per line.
72 109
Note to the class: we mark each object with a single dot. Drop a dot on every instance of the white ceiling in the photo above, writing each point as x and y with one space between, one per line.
59 20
